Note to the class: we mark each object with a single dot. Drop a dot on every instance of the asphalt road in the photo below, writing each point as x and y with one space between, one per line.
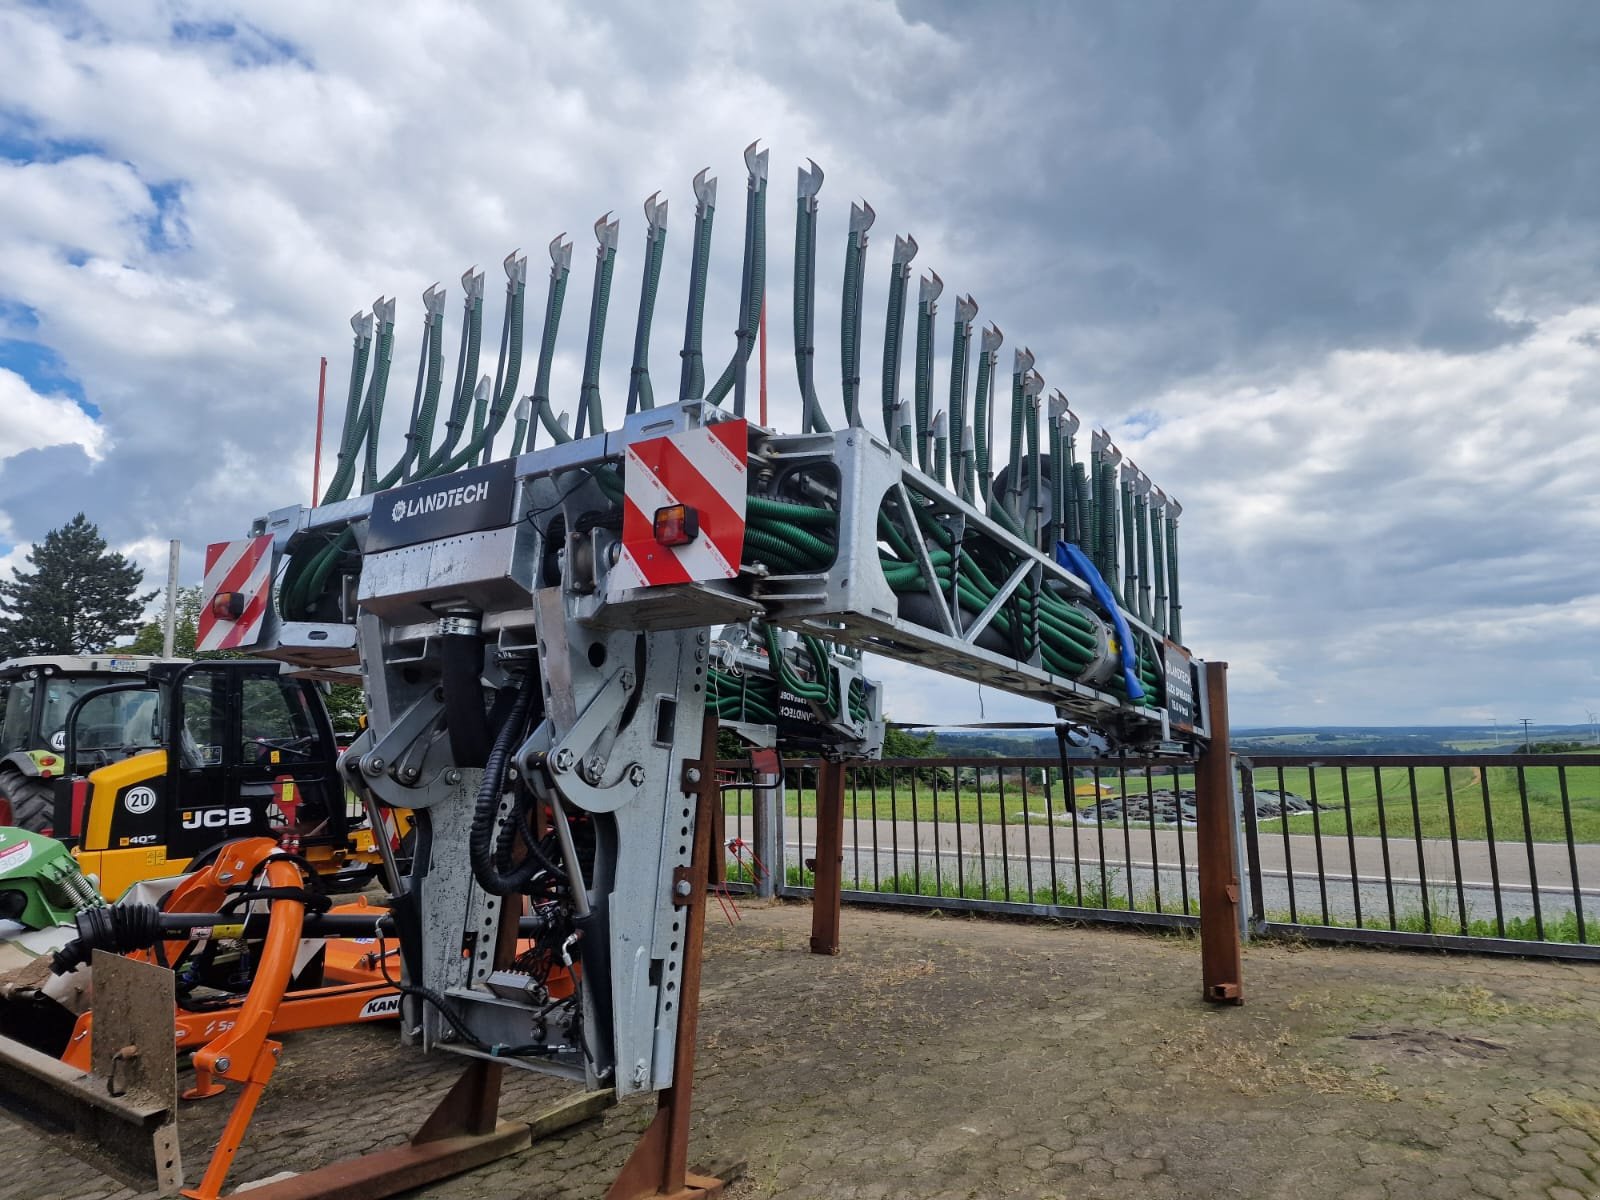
1143 861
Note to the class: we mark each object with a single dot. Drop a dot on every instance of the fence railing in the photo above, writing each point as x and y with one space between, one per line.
1002 835
1483 852
1478 852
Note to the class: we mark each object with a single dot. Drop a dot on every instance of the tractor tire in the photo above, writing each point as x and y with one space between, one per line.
26 803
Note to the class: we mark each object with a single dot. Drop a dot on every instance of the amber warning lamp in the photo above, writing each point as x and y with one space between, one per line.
676 525
227 606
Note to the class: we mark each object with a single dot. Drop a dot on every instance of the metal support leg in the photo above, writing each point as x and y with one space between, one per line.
826 899
718 865
764 799
1221 963
658 1166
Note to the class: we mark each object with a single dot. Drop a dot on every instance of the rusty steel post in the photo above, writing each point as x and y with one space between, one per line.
1221 960
829 875
658 1166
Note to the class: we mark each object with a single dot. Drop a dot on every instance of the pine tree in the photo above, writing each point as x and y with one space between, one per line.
78 599
151 636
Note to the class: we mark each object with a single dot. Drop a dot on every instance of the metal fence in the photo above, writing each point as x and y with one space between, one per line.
1483 852
998 835
1473 852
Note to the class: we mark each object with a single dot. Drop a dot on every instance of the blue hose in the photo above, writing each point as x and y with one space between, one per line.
1074 560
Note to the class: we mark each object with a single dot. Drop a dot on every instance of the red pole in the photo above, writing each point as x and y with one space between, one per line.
763 360
316 462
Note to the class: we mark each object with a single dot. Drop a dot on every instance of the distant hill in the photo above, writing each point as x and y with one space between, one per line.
1294 739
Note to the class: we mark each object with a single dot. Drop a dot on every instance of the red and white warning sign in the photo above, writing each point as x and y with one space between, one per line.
683 507
237 587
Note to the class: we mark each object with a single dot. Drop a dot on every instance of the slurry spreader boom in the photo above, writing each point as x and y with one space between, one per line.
534 628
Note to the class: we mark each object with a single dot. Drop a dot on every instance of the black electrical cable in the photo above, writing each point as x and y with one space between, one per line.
454 1019
480 851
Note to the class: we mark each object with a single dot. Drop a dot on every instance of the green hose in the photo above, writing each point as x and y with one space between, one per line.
980 420
1159 565
922 384
1174 620
692 384
422 427
894 333
560 269
751 292
589 393
641 396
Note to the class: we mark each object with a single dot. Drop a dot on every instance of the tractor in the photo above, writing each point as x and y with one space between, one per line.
36 694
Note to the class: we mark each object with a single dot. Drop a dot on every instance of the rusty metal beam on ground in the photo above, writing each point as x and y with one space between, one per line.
1221 959
463 1132
827 897
658 1166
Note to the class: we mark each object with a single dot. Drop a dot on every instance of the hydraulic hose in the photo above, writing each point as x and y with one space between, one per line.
483 852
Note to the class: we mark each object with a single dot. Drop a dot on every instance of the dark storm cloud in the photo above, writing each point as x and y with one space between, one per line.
1225 181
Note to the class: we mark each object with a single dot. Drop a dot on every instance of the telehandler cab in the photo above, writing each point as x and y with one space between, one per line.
153 766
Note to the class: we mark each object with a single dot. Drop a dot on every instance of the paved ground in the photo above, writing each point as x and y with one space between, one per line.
957 1057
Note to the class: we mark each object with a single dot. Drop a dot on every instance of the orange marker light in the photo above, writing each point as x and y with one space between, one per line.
227 606
676 525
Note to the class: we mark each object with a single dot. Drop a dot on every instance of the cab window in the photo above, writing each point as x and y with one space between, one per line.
116 725
18 723
277 719
205 717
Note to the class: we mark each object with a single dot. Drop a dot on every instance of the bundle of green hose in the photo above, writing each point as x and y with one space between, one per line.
745 696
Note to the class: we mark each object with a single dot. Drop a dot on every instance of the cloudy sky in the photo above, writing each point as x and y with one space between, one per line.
1328 272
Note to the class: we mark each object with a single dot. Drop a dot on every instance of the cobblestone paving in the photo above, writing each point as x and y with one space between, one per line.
951 1057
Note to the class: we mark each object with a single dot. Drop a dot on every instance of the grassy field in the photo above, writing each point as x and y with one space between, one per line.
1380 801
929 803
